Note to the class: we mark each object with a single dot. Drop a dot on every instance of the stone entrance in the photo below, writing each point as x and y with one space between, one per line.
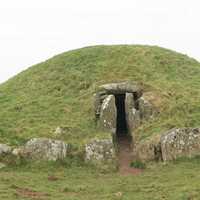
117 108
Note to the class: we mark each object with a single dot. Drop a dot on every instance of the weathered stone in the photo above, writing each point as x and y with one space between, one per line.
102 97
132 115
100 151
17 151
146 109
97 104
108 114
5 149
43 149
98 100
123 87
60 131
129 101
183 142
149 150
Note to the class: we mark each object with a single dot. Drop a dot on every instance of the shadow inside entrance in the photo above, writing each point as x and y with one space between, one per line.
124 139
122 129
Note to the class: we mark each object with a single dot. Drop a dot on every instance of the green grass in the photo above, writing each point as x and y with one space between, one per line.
138 164
174 181
58 92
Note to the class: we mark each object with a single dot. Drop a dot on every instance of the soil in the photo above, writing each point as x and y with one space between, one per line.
125 156
53 178
28 193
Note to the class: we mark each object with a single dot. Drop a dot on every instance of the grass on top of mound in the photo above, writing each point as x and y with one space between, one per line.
59 92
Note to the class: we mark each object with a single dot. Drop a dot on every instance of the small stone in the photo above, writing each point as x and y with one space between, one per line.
5 149
58 132
118 194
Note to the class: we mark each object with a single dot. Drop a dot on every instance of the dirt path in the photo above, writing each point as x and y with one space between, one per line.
125 157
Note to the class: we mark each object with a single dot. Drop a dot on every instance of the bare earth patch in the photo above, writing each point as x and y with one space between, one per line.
125 157
29 193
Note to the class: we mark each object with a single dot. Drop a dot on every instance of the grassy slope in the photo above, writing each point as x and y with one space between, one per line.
175 181
58 92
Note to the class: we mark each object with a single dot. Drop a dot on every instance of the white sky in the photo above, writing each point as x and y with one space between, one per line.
32 31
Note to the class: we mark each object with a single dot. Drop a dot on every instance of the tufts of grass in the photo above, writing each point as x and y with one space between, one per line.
138 164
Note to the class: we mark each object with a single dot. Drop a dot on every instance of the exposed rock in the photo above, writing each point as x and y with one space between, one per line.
100 151
183 142
17 151
5 149
139 106
97 104
58 131
149 150
132 115
98 100
146 109
43 149
123 87
6 156
108 114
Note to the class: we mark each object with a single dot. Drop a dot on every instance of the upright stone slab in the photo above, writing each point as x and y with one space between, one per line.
98 100
132 115
183 142
146 109
108 115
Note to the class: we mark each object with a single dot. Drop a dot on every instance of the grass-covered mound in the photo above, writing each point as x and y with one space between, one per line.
59 91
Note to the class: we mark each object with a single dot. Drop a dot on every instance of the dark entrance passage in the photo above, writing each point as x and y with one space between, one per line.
123 139
122 129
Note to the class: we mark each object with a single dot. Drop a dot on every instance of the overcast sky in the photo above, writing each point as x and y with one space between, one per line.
32 31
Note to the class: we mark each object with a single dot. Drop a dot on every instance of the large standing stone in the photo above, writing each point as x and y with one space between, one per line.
108 114
146 108
43 149
100 151
183 142
132 115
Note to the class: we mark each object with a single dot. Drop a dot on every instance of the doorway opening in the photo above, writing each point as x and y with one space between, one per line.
122 129
123 138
